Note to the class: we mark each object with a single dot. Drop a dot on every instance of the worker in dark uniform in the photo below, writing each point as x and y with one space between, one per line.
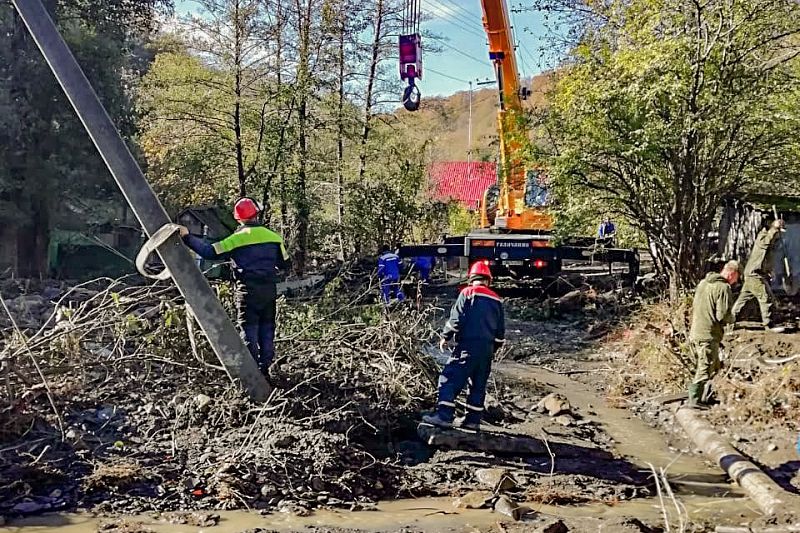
477 323
758 276
257 253
711 311
389 275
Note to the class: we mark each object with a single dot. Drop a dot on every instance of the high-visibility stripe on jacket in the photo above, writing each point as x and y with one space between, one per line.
389 266
256 252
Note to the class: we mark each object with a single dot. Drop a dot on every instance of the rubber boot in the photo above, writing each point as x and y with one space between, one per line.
695 394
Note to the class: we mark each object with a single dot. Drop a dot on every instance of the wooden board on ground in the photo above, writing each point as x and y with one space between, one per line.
485 441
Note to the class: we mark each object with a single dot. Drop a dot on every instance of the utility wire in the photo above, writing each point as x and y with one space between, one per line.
443 15
429 69
484 62
460 13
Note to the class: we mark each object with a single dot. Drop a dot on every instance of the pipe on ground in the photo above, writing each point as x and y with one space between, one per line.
769 497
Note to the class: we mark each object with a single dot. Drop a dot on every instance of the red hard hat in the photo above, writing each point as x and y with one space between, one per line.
480 269
245 209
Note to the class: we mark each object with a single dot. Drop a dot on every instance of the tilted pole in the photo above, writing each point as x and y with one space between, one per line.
211 316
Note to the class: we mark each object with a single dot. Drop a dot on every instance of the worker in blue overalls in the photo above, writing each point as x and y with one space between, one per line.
389 275
424 265
477 323
257 254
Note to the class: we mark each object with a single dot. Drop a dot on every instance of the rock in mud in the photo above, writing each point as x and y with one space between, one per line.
474 500
556 526
564 420
508 507
198 519
554 404
201 401
497 479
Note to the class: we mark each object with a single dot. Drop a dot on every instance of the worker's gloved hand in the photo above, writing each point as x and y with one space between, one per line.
184 231
779 224
442 344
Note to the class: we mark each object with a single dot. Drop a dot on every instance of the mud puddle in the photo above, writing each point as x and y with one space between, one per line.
426 514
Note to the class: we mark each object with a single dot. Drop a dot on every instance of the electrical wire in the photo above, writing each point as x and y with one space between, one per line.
459 8
484 62
429 69
460 13
443 15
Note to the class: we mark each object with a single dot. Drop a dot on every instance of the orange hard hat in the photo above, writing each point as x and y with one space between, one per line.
245 209
480 270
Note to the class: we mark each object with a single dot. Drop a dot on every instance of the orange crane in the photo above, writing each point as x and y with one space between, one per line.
517 203
515 235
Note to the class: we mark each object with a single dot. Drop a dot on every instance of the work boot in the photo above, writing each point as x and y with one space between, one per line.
471 426
775 329
437 420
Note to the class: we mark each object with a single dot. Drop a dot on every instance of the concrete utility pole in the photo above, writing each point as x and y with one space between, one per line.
469 128
211 316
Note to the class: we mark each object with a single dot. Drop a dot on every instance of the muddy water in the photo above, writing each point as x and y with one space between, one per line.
428 514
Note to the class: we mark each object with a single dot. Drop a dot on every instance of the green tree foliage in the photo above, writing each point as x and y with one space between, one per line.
312 139
667 106
47 161
393 202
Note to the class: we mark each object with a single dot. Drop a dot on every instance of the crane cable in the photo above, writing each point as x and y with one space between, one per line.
411 17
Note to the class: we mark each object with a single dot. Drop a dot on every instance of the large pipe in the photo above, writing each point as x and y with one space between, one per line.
211 316
769 497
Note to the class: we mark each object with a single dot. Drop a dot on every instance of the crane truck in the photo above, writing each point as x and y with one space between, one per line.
515 234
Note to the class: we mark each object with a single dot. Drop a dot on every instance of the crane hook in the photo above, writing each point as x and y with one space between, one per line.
411 96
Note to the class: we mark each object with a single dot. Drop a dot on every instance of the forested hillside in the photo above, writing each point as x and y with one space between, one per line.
448 120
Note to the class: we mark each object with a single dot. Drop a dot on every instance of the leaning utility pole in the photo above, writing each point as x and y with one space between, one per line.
211 316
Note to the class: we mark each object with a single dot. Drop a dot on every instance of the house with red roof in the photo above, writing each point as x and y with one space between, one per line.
462 181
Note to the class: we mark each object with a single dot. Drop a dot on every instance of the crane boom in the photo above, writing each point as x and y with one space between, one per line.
501 51
513 212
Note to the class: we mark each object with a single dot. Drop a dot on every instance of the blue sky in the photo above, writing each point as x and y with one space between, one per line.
464 56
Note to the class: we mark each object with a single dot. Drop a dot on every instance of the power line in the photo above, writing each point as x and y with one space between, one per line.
429 69
450 12
462 13
444 16
483 62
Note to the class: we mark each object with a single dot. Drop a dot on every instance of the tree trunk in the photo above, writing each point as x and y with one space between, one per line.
340 142
377 27
237 106
302 209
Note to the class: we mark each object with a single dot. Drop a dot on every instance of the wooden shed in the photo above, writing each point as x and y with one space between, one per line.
741 218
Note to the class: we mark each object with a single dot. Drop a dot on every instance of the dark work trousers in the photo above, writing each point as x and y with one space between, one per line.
255 303
471 360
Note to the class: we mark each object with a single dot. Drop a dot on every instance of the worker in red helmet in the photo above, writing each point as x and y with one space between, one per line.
477 324
257 254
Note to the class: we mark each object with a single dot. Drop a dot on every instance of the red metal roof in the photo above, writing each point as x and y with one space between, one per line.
462 181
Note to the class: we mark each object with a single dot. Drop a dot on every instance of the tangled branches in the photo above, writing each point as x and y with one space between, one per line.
132 390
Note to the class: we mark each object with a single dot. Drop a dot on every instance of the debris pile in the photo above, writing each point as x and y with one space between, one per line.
112 395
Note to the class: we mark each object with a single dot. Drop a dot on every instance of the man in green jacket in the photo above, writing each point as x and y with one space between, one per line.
711 310
758 275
